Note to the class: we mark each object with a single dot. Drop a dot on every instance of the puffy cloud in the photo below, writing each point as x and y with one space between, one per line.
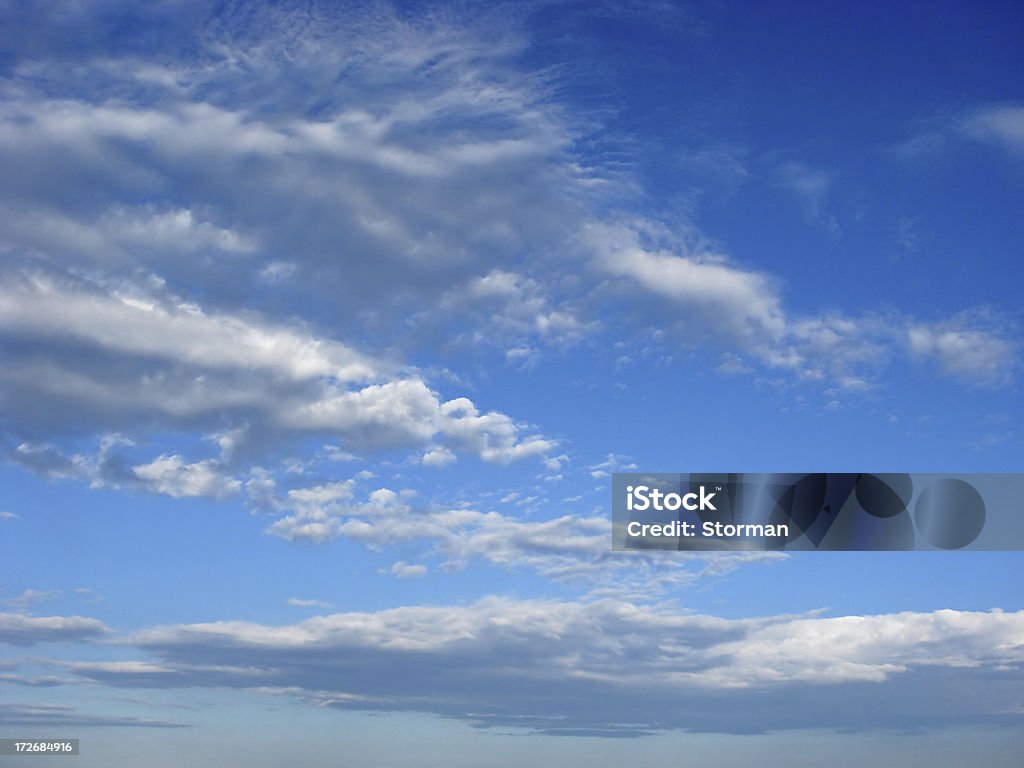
493 436
514 311
437 456
404 570
170 475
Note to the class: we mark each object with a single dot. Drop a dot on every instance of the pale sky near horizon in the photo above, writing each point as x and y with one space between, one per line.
324 325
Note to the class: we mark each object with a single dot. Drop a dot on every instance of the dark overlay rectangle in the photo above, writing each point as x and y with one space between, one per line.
38 747
833 511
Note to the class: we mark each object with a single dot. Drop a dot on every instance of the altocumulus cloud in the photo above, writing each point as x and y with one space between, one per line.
570 549
393 178
410 167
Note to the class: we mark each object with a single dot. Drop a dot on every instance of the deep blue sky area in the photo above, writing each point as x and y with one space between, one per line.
324 326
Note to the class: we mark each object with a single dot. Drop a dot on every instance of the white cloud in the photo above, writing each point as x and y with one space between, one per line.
170 475
416 159
612 463
871 648
123 235
18 629
554 463
513 310
298 602
1002 124
966 347
48 460
569 549
321 495
639 666
438 456
707 298
313 512
145 354
127 319
435 180
732 365
314 527
278 271
997 124
404 570
493 436
31 597
8 516
434 190
742 303
811 187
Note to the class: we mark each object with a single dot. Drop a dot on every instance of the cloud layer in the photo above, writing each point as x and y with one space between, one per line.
609 667
19 629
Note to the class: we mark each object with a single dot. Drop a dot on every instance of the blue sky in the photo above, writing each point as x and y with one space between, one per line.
325 324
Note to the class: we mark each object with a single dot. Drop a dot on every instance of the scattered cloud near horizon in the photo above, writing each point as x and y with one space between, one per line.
606 667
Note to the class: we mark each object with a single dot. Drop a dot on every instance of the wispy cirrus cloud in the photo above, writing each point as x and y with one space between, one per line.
32 596
298 602
811 188
59 715
1000 124
969 347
